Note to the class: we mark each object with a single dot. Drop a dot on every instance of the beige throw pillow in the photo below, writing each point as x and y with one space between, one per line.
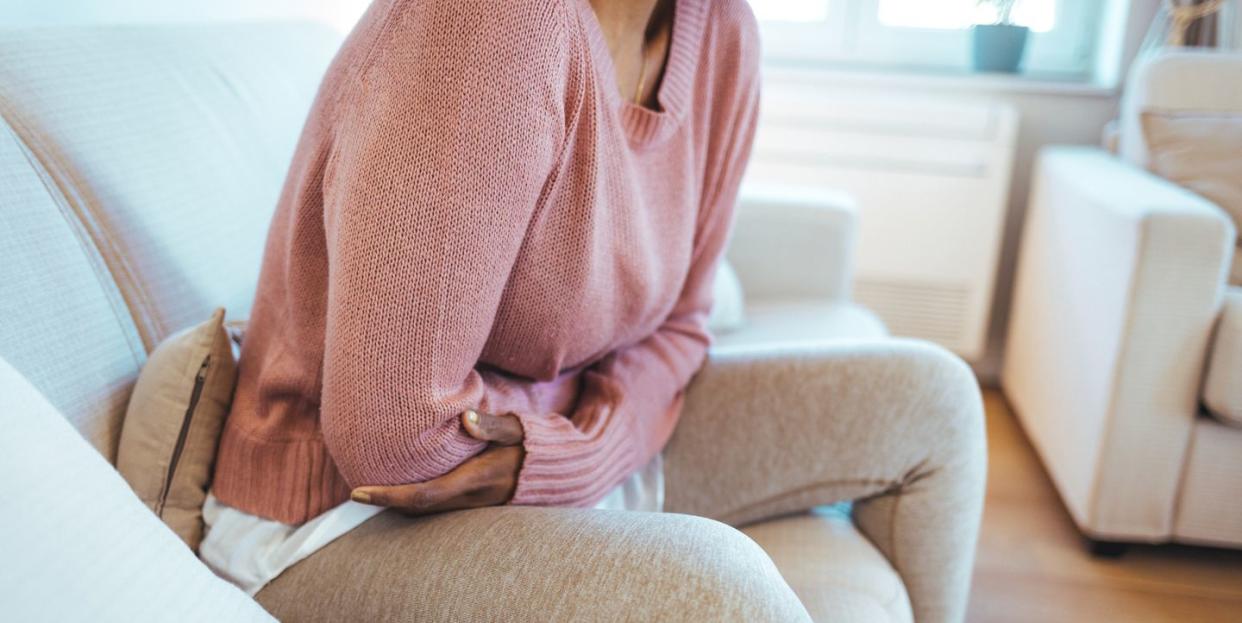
173 424
1203 152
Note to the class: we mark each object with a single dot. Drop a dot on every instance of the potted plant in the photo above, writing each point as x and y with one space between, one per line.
999 46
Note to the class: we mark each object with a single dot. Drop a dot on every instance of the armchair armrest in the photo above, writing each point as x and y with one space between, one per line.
1120 277
794 244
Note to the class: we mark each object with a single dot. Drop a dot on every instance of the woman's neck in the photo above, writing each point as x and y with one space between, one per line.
637 33
620 19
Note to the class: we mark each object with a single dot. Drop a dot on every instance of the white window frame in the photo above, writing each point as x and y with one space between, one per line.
853 36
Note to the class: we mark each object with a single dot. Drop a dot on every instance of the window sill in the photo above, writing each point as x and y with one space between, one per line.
936 80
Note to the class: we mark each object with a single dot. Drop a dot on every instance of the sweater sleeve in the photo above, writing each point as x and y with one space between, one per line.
631 399
440 157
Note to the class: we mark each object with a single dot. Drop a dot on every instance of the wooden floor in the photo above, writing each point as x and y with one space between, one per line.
1032 565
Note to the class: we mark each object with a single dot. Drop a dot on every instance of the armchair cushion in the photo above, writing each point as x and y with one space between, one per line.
1222 390
852 581
1203 153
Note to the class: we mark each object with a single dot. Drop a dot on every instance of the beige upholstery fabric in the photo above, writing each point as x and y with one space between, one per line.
1222 390
169 143
77 545
534 564
172 426
1201 152
1119 282
63 324
895 423
1209 509
852 583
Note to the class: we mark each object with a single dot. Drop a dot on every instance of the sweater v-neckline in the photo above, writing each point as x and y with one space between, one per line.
643 125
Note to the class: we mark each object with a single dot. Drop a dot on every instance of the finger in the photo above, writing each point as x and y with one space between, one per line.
411 499
396 496
502 430
480 481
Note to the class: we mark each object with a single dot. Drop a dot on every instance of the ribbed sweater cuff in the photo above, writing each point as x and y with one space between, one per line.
565 466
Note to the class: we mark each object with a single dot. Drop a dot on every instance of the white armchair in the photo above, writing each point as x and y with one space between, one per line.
1121 279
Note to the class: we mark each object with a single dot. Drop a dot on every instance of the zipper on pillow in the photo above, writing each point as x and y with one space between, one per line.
199 380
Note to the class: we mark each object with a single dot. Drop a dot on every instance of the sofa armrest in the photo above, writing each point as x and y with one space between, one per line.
794 244
1120 277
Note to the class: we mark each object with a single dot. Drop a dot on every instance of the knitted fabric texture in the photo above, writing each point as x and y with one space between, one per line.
475 218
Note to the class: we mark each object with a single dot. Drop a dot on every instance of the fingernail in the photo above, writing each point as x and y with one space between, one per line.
472 417
359 495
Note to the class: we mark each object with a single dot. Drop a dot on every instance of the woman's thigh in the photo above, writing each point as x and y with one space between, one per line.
521 564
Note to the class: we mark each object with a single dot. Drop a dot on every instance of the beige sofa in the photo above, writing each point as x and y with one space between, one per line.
138 170
1124 357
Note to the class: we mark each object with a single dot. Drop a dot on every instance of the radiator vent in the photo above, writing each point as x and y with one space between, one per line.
929 175
930 311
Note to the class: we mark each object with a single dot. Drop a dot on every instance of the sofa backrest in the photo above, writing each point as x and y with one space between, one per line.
1176 79
139 167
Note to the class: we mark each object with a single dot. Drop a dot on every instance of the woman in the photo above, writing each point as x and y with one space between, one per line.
500 227
487 282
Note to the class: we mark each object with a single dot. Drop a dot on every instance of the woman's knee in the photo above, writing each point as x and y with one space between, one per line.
713 572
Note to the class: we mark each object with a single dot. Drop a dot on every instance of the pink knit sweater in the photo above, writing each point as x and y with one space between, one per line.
476 219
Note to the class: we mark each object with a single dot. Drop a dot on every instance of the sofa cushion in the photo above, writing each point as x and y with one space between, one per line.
78 545
1222 387
172 426
836 572
170 144
63 322
1203 153
1209 507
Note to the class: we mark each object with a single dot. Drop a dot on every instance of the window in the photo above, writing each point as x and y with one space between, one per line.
924 34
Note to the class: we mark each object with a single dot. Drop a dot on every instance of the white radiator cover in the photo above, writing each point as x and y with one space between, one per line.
931 178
